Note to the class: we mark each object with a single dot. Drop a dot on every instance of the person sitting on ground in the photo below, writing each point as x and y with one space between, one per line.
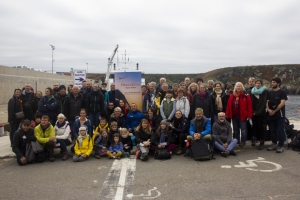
45 135
168 107
83 146
133 118
162 138
113 130
115 150
102 125
126 141
82 120
100 143
222 133
36 122
143 137
23 137
62 134
153 119
180 130
201 125
118 117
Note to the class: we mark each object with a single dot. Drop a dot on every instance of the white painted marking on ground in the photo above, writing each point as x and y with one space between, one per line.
95 181
251 163
120 176
226 166
102 167
147 196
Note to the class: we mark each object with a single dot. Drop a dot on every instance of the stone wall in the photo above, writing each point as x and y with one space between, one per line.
12 78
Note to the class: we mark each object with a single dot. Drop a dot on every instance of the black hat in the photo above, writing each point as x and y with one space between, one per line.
62 87
26 121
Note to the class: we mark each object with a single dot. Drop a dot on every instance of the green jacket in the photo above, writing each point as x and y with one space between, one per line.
43 136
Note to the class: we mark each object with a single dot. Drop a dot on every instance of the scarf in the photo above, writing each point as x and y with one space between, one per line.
257 91
202 95
177 122
237 98
124 110
162 136
60 125
81 138
95 92
219 100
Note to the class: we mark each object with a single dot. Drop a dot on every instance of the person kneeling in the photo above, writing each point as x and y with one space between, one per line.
115 150
222 133
83 146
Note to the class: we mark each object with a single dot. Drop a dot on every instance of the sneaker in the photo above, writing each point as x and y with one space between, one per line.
279 150
97 156
146 157
66 157
232 152
242 144
179 152
224 154
272 147
51 159
261 146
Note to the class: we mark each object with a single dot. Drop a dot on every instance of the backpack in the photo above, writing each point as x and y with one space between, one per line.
162 154
295 141
201 149
288 128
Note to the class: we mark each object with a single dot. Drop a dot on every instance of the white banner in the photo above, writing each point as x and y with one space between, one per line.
79 76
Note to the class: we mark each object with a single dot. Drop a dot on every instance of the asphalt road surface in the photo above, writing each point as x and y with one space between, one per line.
252 174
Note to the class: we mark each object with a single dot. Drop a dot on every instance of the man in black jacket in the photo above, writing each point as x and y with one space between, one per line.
61 99
28 102
23 136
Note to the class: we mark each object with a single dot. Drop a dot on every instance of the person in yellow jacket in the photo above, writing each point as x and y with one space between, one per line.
102 125
160 96
45 135
83 146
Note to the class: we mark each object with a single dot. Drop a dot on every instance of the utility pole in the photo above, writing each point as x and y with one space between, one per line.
87 67
53 47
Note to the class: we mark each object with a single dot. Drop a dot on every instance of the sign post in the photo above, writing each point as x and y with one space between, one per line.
79 76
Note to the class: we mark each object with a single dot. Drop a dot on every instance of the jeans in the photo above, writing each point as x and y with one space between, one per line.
277 126
231 145
13 128
237 125
94 118
63 144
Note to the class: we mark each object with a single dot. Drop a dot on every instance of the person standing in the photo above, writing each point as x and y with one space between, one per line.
14 106
95 105
239 110
61 99
259 99
48 105
28 102
276 110
149 97
217 98
202 99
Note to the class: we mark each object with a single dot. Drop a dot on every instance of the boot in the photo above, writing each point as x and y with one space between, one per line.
261 145
179 152
253 141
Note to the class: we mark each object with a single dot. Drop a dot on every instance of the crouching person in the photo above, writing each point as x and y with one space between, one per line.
45 135
23 137
222 133
143 137
83 146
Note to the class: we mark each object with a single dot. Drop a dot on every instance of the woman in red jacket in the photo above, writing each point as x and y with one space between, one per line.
239 110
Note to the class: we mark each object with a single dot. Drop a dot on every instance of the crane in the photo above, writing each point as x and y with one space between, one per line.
110 61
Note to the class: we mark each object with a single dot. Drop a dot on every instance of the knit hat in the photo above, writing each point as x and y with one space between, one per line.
61 87
164 122
26 121
82 128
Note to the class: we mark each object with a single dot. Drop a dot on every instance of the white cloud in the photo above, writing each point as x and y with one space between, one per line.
165 36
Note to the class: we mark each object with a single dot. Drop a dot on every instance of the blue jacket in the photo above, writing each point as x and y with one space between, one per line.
116 147
77 125
207 128
133 119
48 107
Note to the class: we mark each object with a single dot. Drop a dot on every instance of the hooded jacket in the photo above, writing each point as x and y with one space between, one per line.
48 106
14 106
95 102
43 136
73 105
86 148
206 128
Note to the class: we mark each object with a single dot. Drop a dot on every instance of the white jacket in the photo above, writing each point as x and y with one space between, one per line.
183 105
63 132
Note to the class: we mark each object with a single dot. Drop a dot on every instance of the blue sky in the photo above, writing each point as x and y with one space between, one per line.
162 36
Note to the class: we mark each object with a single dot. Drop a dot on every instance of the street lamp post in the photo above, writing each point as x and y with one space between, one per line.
87 67
53 47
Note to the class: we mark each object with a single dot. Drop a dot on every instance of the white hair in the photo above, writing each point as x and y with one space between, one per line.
61 116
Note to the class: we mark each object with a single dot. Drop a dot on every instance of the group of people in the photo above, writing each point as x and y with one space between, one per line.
102 123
